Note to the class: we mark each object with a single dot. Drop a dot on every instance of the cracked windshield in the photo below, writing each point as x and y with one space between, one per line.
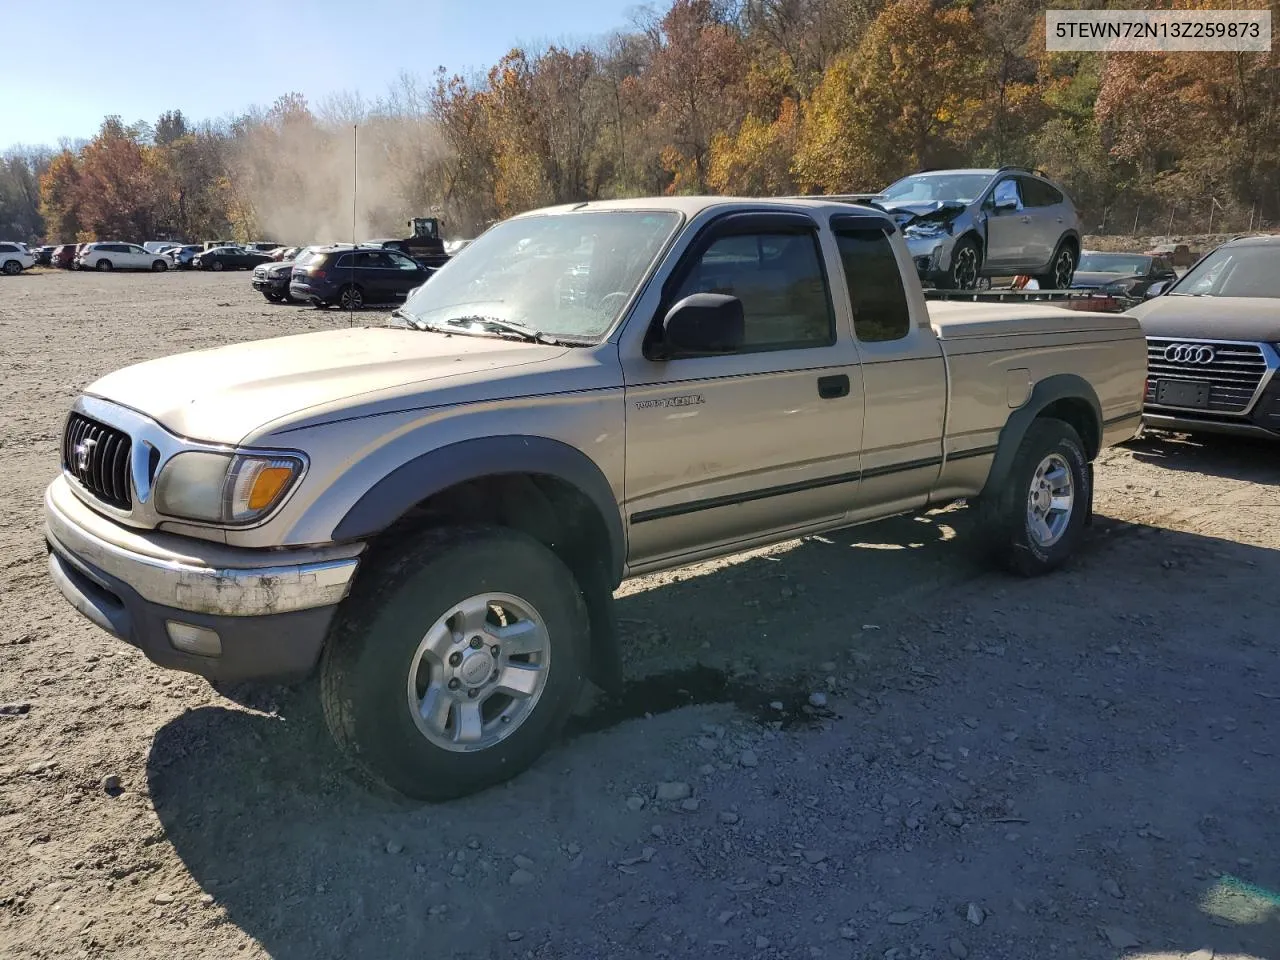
566 276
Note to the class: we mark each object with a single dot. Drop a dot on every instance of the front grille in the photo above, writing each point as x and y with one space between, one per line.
98 457
1232 375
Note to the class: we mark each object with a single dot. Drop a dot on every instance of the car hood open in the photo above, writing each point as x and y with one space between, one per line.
1210 318
225 394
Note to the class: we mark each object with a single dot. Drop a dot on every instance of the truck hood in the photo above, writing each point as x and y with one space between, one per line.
224 394
1213 318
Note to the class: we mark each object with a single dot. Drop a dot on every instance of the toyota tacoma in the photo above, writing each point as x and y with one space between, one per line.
436 512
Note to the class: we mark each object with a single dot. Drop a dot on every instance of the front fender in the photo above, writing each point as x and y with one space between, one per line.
415 480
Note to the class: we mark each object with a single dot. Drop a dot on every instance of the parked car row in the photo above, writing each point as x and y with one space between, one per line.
343 275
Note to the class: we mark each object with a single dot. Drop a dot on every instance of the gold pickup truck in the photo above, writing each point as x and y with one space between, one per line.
437 511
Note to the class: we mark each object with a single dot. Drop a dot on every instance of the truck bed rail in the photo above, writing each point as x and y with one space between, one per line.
1091 300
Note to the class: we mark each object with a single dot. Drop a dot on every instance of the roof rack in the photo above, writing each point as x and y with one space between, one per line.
1035 171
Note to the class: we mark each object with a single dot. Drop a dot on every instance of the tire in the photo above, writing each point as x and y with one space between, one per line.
287 297
966 265
103 265
371 677
12 268
272 297
351 297
159 266
216 266
1050 463
1061 269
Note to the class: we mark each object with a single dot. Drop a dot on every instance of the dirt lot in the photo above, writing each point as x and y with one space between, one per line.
1081 766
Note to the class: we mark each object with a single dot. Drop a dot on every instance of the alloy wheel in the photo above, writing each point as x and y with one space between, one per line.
1050 501
478 672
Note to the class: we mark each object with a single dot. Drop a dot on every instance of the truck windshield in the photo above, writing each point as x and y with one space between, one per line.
1248 270
563 275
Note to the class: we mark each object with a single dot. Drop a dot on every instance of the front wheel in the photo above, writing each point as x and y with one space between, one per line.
1036 521
159 266
455 662
12 268
966 265
217 265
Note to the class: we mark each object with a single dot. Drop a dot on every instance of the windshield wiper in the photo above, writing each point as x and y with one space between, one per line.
521 330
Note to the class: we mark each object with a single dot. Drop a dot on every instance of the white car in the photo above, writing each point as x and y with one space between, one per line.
120 256
15 257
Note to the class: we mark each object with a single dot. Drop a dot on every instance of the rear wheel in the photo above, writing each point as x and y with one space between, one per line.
1035 522
455 663
12 268
1061 269
216 265
351 298
966 264
103 264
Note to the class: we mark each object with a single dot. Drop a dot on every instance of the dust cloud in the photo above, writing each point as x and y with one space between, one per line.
300 181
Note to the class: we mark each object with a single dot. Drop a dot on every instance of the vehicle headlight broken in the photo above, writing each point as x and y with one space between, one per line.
224 488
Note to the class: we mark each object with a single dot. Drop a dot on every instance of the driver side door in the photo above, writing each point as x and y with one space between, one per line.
726 450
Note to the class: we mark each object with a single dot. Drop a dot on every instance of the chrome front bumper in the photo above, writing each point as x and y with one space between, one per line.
195 575
263 614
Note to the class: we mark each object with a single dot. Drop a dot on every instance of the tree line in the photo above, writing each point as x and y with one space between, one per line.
748 97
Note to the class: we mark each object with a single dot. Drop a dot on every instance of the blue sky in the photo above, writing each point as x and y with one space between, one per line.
209 58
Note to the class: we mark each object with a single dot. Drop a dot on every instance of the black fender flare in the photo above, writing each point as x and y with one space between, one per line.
1050 390
415 480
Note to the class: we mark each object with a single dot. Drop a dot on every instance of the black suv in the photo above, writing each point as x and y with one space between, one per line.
352 278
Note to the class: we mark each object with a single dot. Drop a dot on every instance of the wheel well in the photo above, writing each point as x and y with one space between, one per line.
553 512
1080 415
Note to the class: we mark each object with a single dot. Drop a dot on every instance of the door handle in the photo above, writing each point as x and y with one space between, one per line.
833 387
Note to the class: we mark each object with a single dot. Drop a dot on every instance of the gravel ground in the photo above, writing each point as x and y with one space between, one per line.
1079 766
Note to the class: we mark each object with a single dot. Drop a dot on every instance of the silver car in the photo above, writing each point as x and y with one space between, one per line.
963 225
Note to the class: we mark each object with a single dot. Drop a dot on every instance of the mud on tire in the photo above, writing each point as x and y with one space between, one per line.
373 657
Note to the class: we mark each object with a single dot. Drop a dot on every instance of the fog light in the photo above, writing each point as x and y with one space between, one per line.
189 638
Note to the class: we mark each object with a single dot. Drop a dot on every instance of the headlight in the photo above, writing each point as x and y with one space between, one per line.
1121 286
224 488
928 229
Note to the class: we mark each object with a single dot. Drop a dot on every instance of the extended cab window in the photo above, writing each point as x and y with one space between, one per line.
876 293
780 281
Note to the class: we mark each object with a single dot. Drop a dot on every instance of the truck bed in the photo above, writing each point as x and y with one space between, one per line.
966 321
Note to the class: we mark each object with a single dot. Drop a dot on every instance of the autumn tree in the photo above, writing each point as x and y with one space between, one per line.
693 82
907 99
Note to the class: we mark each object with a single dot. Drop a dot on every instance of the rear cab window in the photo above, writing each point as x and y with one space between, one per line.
877 296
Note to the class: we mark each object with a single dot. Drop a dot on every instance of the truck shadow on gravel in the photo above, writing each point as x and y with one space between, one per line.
311 865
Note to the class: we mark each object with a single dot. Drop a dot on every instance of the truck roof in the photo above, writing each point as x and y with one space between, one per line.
692 206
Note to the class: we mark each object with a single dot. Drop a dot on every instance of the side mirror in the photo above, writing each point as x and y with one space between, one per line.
703 324
1005 203
1156 289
